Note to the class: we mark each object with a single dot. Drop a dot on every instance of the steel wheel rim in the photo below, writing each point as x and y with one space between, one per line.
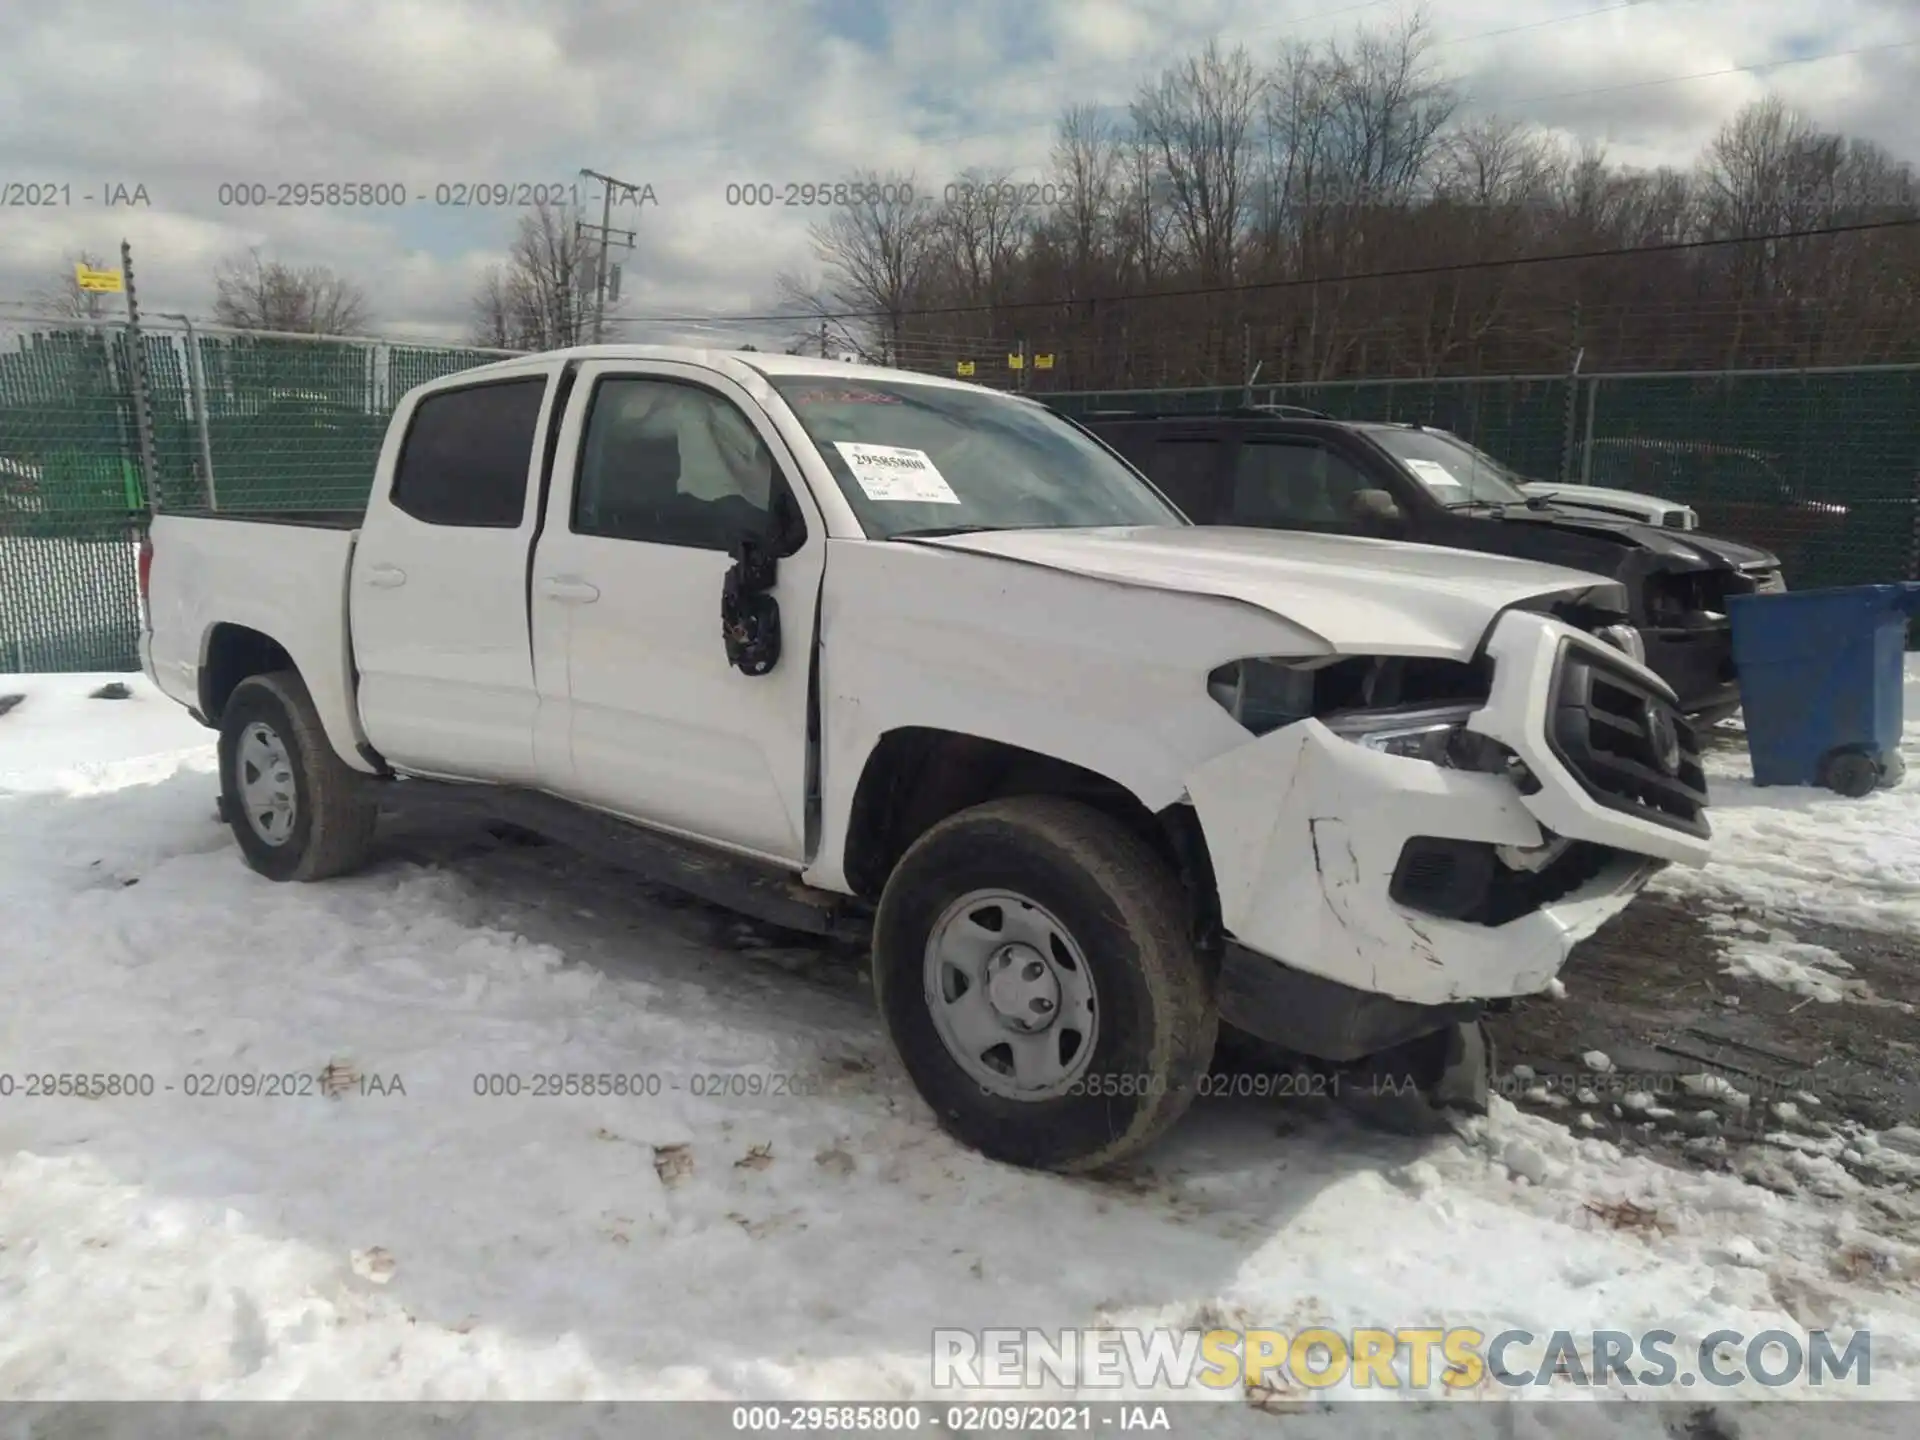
263 772
1011 995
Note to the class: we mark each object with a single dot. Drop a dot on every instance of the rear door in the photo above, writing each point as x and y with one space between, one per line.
438 599
660 467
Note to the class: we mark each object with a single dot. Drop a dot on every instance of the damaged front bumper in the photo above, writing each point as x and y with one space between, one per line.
1348 875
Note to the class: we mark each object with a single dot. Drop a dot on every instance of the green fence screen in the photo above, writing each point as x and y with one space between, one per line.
1823 467
289 424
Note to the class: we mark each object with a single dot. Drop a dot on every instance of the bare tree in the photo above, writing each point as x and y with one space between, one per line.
495 319
254 293
877 256
1493 163
1393 106
1198 121
981 228
542 296
1087 170
65 298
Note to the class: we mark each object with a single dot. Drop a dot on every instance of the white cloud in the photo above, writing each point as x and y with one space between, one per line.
690 97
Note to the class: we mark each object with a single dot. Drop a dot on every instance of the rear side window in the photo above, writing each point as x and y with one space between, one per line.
467 453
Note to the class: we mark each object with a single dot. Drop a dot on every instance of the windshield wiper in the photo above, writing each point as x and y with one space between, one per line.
935 531
1498 506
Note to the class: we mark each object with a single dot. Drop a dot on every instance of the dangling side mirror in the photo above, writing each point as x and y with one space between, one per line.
749 615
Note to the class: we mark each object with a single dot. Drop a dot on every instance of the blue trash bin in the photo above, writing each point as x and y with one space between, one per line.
1820 684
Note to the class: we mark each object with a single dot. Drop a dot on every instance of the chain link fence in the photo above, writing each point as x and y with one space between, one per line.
1820 466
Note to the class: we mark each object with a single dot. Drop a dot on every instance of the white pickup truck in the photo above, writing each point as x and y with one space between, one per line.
849 648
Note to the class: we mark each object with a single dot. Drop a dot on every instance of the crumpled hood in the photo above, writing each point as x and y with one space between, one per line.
1705 552
1359 595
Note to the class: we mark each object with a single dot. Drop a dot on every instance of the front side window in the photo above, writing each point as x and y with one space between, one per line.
1290 484
467 454
916 459
672 464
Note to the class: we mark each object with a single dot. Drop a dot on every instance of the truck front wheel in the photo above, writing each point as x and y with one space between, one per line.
1033 963
297 812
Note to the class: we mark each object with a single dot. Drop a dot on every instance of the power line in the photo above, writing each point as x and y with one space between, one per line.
1194 292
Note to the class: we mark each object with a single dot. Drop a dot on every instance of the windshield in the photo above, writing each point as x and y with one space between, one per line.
1453 472
918 459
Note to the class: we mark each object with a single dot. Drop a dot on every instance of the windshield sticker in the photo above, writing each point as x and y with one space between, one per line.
893 472
844 397
1434 475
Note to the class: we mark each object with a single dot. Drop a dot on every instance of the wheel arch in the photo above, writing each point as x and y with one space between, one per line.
232 652
915 776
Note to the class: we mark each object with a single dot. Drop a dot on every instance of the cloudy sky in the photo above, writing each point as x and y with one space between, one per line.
692 95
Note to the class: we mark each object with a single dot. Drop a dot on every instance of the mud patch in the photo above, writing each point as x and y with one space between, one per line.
1656 1047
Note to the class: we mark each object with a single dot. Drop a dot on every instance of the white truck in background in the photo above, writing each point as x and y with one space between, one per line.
850 648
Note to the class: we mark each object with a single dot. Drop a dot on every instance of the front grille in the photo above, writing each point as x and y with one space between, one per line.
1608 729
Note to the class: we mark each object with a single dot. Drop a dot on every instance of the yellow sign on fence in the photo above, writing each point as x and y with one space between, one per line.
964 367
107 282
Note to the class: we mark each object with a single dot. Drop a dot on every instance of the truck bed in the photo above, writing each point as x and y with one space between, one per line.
280 573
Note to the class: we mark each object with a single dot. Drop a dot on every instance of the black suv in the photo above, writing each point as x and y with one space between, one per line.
1281 468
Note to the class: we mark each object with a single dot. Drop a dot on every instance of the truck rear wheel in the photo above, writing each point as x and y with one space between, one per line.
297 812
1033 964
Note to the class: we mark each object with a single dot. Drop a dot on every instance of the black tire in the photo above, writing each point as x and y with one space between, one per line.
1850 773
1125 910
334 808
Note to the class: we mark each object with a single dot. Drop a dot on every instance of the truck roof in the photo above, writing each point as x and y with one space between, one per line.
723 360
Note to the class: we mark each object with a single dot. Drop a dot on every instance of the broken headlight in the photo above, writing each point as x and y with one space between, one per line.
1416 709
1264 695
1437 734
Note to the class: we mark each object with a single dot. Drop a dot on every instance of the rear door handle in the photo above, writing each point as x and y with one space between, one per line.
386 577
568 591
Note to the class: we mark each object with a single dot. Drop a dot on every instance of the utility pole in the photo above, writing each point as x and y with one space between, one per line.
607 237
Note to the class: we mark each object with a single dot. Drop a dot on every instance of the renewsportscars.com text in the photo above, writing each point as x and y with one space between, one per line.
1414 1357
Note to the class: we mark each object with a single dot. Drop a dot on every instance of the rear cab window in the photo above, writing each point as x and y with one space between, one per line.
468 453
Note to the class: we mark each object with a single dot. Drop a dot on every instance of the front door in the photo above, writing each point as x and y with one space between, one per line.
661 468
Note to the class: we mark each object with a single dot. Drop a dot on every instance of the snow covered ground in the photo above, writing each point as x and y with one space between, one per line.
1853 862
405 1237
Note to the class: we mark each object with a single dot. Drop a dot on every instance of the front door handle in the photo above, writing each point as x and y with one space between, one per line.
386 577
568 590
